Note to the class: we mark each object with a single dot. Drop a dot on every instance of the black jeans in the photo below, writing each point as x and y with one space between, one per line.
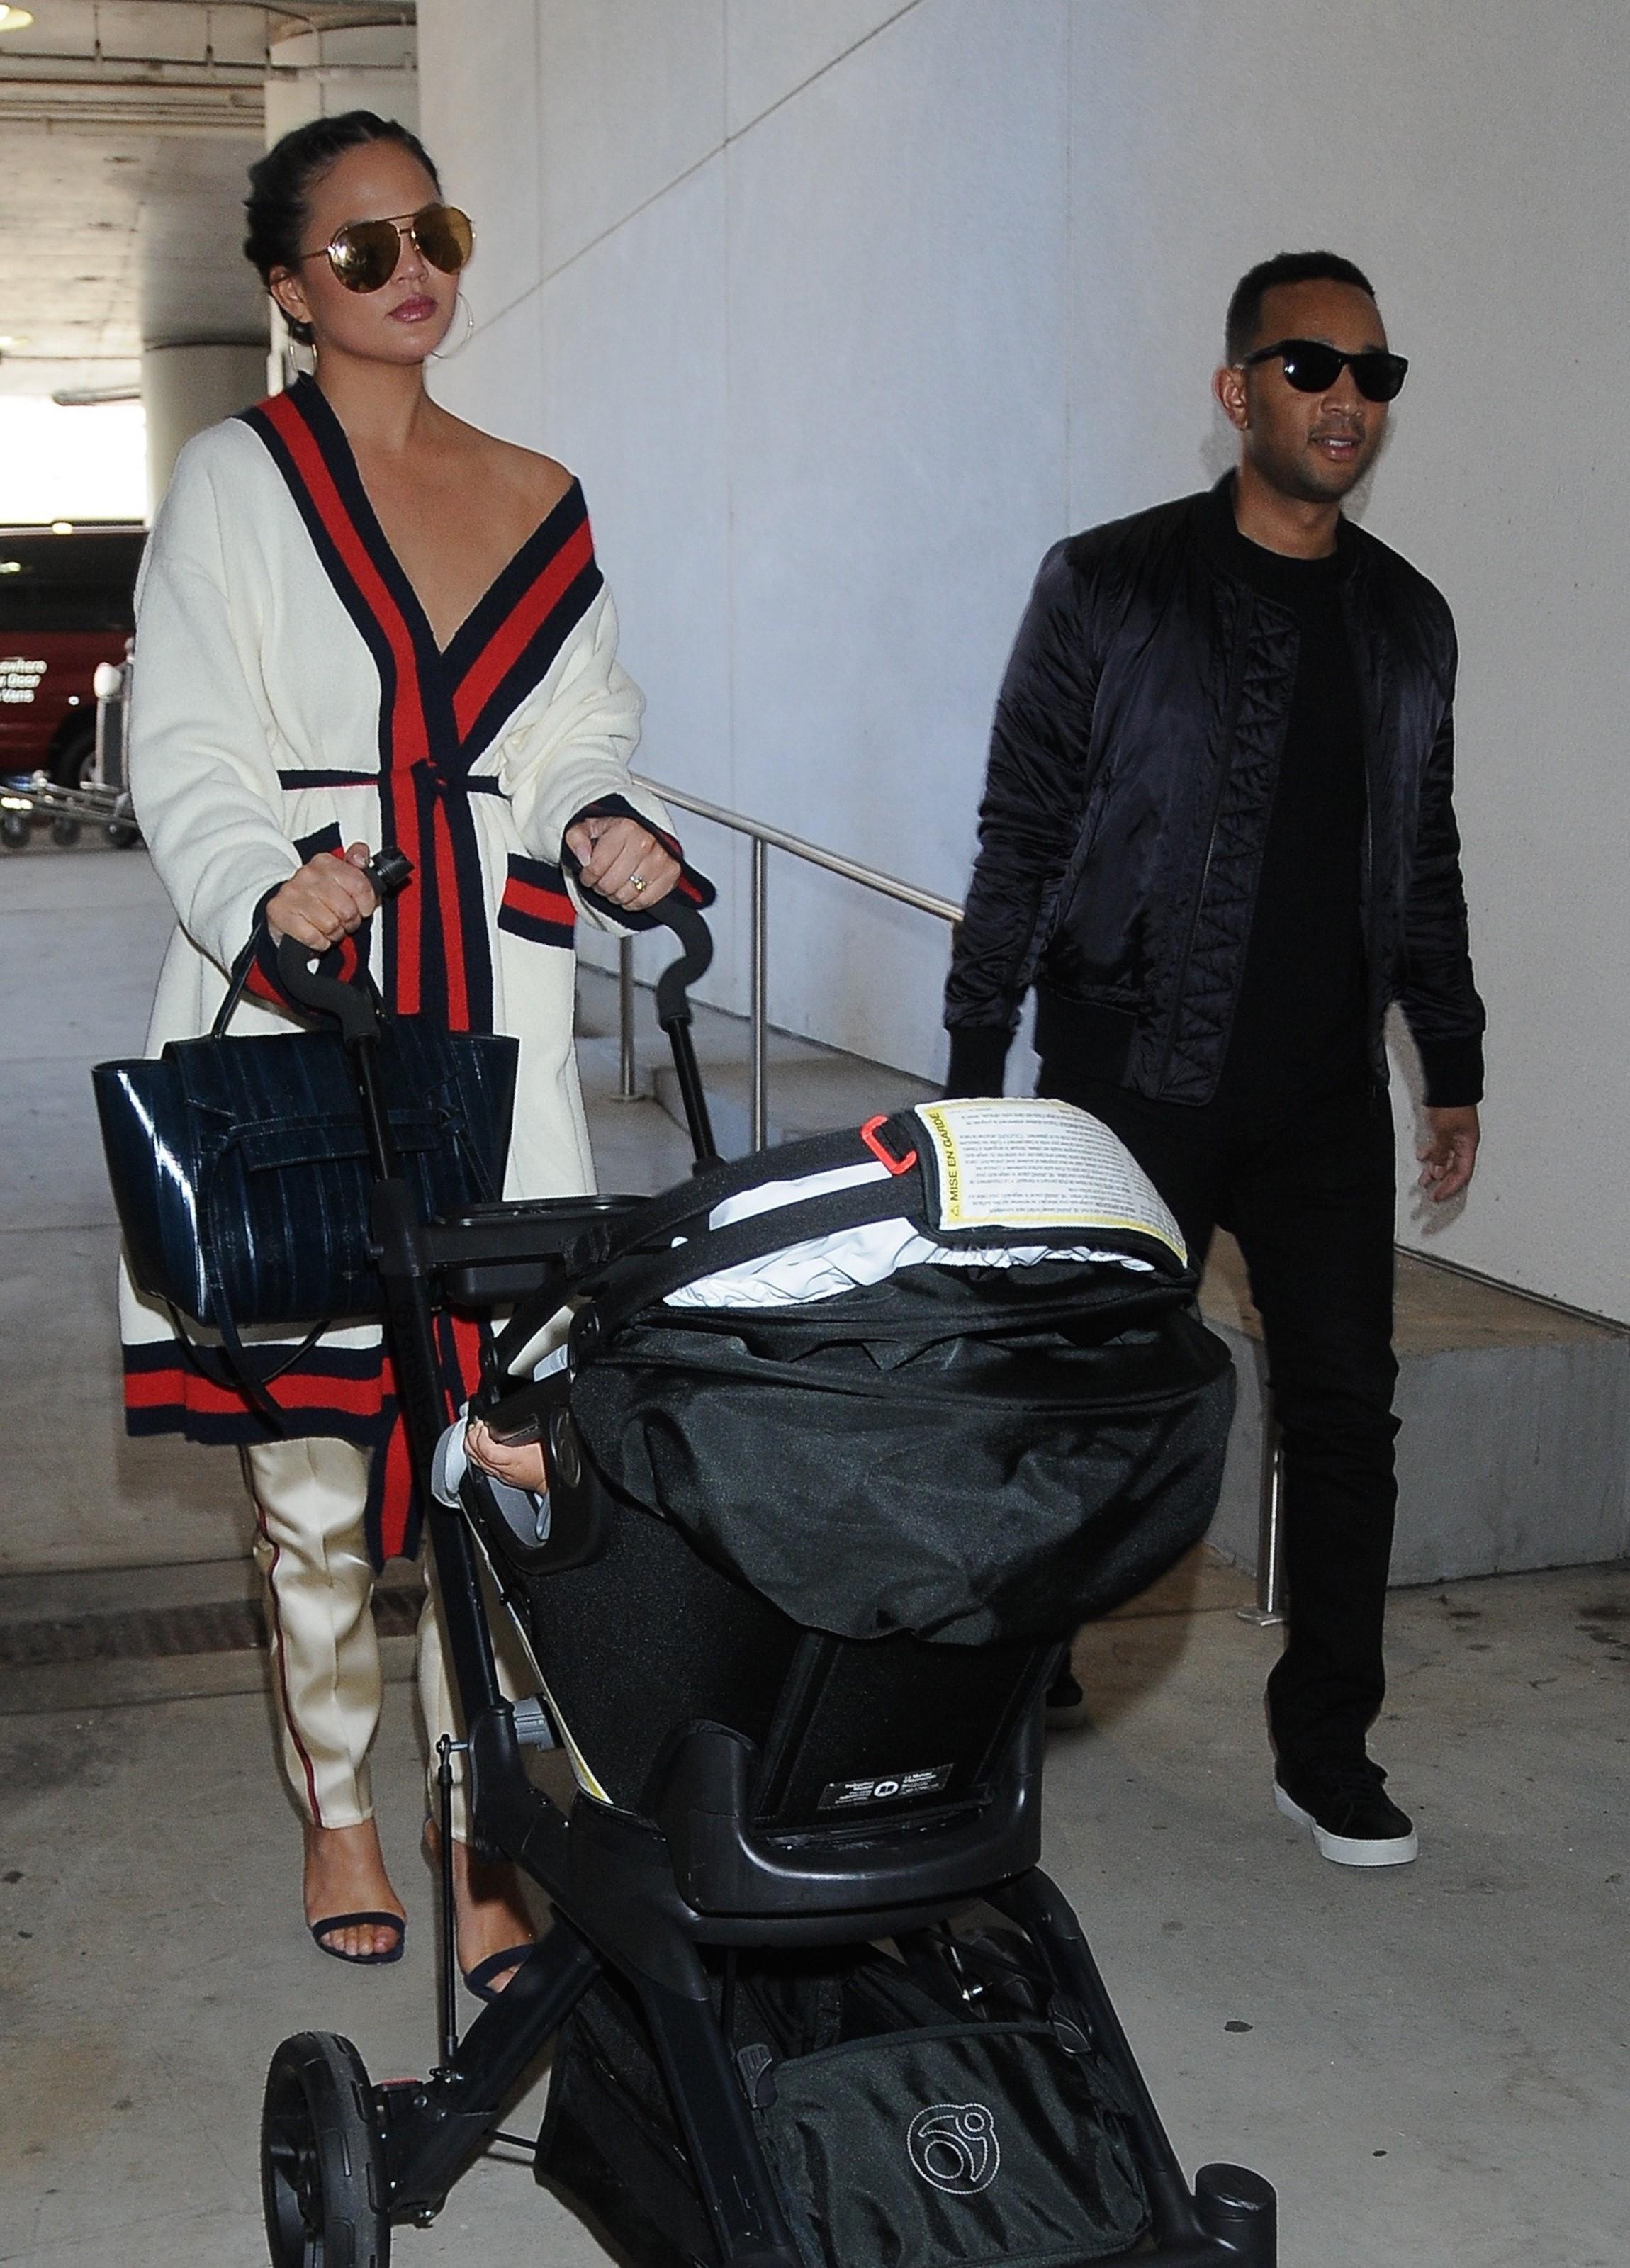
1310 1199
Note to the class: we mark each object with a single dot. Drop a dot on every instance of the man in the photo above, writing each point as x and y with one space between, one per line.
1218 837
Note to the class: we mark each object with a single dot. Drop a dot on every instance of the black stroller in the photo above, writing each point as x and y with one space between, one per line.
812 2002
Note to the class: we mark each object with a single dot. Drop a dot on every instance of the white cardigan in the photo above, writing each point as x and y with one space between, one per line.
275 634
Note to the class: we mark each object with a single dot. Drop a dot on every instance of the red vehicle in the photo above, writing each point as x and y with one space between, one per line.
67 602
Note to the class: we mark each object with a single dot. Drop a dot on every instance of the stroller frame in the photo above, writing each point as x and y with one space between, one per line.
643 1896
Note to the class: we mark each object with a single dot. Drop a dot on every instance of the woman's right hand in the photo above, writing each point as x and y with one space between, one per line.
328 899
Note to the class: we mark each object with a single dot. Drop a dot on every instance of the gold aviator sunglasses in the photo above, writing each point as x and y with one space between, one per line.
363 254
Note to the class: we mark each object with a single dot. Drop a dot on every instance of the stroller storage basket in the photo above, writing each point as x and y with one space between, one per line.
897 2128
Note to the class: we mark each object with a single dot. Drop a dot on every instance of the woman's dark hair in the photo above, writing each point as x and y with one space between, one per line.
280 184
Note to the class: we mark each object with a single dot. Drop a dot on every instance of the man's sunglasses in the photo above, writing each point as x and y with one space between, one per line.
1312 367
363 254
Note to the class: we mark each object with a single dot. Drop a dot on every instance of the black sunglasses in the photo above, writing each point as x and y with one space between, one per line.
1312 367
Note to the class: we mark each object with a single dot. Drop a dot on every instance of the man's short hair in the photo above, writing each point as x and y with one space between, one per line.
1245 309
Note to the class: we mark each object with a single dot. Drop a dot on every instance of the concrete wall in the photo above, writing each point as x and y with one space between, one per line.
845 310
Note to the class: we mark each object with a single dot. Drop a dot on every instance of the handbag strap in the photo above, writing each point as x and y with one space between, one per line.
238 976
235 1374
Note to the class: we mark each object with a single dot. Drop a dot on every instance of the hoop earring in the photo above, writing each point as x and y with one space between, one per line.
446 354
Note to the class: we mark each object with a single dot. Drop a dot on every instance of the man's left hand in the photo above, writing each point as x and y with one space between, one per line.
1449 1155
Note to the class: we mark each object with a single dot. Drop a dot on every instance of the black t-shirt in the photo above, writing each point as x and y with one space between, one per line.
1298 1025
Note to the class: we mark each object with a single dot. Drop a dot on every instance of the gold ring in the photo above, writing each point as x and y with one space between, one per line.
638 881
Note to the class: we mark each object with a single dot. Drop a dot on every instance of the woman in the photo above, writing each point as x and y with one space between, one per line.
362 621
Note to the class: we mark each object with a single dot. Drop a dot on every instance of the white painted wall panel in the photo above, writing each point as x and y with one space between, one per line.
478 72
495 380
966 294
632 95
1469 159
771 51
898 462
634 397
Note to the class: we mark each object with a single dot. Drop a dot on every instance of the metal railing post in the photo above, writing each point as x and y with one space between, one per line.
627 1070
758 1001
765 838
1271 1587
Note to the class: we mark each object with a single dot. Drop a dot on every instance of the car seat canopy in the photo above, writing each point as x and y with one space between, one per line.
996 1441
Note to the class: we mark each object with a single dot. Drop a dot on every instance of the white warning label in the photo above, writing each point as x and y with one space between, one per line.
1039 1163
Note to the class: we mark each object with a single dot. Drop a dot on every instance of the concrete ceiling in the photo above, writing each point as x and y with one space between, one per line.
126 130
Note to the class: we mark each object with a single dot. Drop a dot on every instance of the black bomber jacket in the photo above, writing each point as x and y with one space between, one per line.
1133 765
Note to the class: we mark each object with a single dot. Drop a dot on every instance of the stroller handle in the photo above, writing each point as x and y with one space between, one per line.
352 1005
673 1013
355 1006
690 926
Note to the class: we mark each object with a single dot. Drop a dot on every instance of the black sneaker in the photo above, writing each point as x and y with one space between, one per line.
1352 1819
1067 1704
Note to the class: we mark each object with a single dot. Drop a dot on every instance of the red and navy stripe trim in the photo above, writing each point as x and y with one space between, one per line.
536 904
340 1390
691 884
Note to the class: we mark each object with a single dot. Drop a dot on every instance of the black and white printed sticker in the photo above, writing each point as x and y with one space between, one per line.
887 1788
1040 1164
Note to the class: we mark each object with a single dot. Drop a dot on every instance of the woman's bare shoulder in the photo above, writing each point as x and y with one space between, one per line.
535 479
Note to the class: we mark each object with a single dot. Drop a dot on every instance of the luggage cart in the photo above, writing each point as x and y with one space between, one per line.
102 800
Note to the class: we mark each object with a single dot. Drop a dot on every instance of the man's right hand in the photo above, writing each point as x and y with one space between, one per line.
328 899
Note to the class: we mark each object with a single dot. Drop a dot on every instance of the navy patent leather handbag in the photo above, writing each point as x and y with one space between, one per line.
240 1172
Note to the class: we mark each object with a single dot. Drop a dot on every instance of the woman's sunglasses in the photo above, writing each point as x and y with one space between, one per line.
1312 367
363 254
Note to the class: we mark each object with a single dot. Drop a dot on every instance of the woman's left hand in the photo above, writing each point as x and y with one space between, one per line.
623 861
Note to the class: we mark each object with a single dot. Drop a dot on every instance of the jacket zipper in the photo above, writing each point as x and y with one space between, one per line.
1367 866
1235 694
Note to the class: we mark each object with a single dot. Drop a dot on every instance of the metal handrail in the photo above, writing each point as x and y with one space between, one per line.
764 838
776 838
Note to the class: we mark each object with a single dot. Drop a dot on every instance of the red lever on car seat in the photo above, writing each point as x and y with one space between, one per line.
869 1136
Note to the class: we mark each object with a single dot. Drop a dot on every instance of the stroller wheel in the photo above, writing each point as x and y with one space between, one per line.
322 2172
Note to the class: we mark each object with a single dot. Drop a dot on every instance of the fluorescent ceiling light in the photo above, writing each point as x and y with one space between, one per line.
15 19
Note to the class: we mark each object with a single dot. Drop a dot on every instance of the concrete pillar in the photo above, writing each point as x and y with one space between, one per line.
191 384
320 73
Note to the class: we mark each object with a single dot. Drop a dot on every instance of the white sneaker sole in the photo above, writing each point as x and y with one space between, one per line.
1350 1850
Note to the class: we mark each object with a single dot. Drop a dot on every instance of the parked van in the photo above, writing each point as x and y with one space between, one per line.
67 602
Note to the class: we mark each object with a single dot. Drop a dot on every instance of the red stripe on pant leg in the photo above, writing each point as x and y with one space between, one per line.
300 1748
396 1494
466 1345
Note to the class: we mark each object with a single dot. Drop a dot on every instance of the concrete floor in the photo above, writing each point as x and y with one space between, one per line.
1432 2064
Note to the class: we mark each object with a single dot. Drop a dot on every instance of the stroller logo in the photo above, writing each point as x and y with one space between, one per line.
954 2146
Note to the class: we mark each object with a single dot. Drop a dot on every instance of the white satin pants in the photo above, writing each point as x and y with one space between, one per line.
309 1498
